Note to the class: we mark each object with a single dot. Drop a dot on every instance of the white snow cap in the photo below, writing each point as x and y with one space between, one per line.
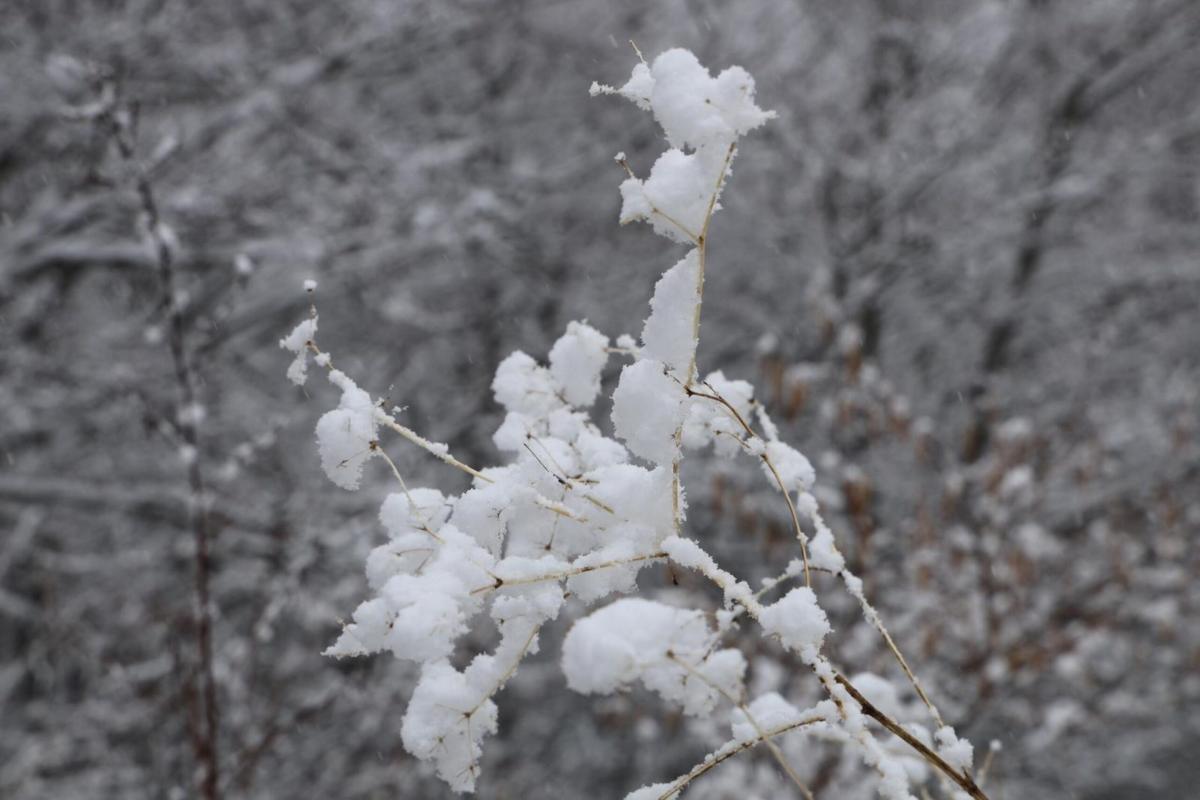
700 113
445 722
670 650
647 408
676 197
797 620
669 334
957 752
694 108
297 342
345 434
576 361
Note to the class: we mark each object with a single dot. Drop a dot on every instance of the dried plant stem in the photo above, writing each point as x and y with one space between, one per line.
787 495
726 582
205 741
963 779
714 759
508 673
869 611
776 753
441 453
987 764
564 574
877 622
429 447
800 537
701 242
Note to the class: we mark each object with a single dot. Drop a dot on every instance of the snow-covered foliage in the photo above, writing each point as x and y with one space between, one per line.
575 513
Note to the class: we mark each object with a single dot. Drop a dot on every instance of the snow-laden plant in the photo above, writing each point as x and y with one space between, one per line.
575 513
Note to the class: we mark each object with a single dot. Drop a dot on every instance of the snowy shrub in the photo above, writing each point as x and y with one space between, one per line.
577 513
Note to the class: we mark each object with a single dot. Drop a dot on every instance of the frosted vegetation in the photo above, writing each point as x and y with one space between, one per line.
575 514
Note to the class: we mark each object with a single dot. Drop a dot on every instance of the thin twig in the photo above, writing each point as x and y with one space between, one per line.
713 760
776 753
115 120
963 779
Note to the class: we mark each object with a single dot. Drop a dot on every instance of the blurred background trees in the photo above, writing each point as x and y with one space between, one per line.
962 265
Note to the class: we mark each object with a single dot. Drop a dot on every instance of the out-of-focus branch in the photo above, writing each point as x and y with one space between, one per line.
116 120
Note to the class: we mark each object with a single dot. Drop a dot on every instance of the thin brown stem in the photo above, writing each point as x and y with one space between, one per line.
564 574
776 753
723 755
963 779
787 495
115 120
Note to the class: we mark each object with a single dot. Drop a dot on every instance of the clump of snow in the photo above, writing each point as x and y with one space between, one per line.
675 198
794 469
767 712
823 552
345 434
297 342
418 509
524 386
670 650
711 421
700 113
647 408
445 723
798 621
576 361
696 109
669 335
655 791
956 752
879 691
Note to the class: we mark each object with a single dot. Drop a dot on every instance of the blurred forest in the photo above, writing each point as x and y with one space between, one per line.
963 265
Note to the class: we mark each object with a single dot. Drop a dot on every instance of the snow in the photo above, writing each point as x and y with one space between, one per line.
524 386
523 593
297 342
647 408
418 509
798 621
675 198
345 434
669 334
576 361
794 469
700 113
711 421
484 513
689 555
956 752
636 494
418 617
770 711
823 553
639 87
697 110
632 542
445 723
655 791
670 650
402 555
879 691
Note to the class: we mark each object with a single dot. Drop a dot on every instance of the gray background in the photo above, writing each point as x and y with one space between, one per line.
961 267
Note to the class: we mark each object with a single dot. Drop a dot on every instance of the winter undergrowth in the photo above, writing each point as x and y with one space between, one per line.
575 512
